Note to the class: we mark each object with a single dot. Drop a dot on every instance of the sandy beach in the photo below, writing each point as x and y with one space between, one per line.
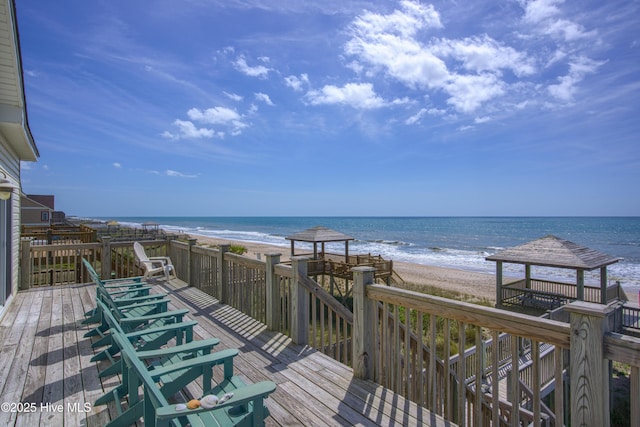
479 287
419 277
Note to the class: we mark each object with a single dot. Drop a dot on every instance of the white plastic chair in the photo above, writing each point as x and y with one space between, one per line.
153 265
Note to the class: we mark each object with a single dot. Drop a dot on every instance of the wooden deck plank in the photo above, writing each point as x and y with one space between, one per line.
92 387
54 379
330 388
72 384
34 384
54 366
19 365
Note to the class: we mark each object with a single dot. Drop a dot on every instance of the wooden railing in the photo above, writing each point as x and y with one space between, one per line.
547 295
558 352
58 234
434 351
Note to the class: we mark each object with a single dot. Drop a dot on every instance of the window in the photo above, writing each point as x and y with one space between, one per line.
44 216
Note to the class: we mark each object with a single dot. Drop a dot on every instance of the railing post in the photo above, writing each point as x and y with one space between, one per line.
223 274
589 370
105 270
25 264
273 292
364 315
190 267
299 302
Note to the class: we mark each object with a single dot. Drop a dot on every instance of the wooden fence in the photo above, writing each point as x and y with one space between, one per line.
454 358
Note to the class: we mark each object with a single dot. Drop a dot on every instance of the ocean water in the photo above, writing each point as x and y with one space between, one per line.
458 242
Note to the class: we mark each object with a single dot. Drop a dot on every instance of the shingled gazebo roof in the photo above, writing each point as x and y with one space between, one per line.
552 251
319 234
322 235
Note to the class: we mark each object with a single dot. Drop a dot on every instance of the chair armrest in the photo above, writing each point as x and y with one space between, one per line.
124 302
159 329
241 396
132 281
157 316
182 348
217 358
164 301
143 290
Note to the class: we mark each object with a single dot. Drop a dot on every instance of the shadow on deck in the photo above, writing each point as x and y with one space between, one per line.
47 377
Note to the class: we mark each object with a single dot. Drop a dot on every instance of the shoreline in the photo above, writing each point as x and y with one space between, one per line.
477 286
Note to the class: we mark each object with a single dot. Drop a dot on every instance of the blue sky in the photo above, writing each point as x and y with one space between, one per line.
333 107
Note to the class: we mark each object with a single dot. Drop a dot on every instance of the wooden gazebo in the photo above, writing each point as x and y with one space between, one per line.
551 251
322 235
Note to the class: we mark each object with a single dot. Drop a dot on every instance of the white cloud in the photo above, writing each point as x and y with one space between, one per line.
221 116
264 98
177 174
482 53
416 117
117 165
296 83
259 71
214 115
469 92
389 43
578 68
187 130
544 16
233 96
356 95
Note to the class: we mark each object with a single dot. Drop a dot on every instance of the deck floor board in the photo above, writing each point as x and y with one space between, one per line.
45 358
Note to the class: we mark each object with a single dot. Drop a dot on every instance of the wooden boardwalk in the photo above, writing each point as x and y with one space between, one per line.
46 377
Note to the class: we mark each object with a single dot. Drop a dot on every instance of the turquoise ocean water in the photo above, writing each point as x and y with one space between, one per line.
458 242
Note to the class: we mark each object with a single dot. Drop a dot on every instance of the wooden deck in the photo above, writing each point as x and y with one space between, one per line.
46 377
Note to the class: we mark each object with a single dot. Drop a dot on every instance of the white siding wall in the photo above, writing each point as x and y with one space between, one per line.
9 162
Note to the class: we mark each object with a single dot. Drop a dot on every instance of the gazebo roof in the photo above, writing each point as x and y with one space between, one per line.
319 234
552 251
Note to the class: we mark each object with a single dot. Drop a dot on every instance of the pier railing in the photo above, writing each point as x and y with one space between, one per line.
454 358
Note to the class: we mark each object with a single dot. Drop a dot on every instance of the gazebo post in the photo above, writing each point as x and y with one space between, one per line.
580 284
499 283
346 251
603 285
527 276
315 250
292 248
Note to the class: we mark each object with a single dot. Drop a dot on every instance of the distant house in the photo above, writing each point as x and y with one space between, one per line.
33 212
16 145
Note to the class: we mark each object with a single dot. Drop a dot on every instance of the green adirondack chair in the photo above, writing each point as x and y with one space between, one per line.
121 291
146 340
154 358
244 408
150 330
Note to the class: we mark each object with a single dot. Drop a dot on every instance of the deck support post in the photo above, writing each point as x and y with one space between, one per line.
364 317
272 292
580 284
105 262
498 284
25 264
603 285
589 370
190 268
299 301
223 274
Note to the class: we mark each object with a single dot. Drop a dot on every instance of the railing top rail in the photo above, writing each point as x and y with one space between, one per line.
622 348
65 247
544 330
